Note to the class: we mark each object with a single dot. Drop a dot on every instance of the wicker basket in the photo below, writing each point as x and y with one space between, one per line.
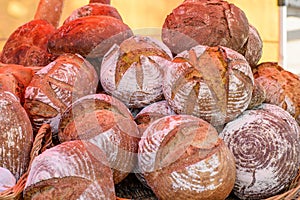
129 189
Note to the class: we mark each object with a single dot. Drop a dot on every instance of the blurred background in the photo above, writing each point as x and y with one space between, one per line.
277 21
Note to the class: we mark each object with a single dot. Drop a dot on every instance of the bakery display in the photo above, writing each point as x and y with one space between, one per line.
220 23
133 71
56 86
16 136
266 145
281 87
213 83
72 170
107 123
182 157
91 109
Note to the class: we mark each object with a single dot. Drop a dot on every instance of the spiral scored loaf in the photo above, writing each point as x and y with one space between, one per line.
266 145
219 23
182 157
94 9
213 83
282 87
107 123
72 170
133 73
90 36
16 136
56 86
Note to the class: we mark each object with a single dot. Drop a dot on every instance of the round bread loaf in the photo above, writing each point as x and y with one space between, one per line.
56 86
213 83
266 145
133 73
90 36
205 22
281 86
27 45
181 157
16 136
252 49
72 170
107 123
7 179
15 79
94 9
258 95
151 113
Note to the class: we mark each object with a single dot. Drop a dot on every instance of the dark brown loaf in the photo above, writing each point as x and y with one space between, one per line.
94 9
100 1
107 123
266 145
205 22
28 44
56 86
282 87
182 157
133 71
213 83
15 79
90 36
16 135
72 170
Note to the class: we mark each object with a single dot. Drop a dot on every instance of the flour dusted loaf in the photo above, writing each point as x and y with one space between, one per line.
282 87
205 22
133 71
213 83
7 179
107 123
266 145
56 86
90 36
16 136
72 170
181 157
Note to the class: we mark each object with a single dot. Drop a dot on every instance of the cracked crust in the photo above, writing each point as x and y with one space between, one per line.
220 23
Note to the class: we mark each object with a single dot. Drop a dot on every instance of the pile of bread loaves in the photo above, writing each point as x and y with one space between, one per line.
194 114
